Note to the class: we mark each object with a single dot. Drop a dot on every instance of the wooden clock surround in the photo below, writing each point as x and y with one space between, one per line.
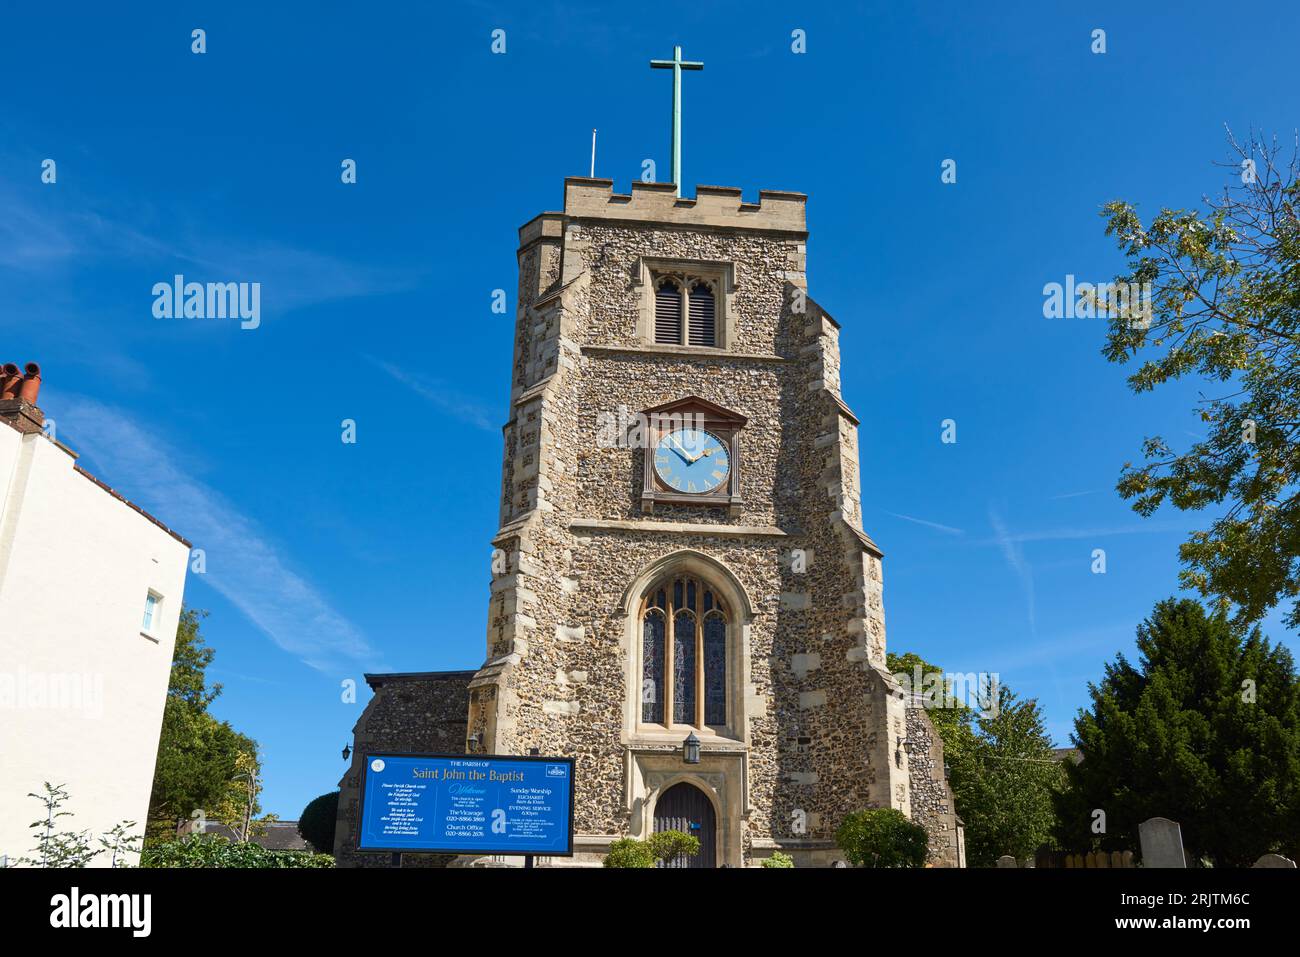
691 412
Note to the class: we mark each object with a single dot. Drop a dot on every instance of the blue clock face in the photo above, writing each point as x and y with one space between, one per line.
692 461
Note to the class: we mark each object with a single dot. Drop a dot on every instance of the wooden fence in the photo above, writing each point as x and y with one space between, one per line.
1093 859
1046 857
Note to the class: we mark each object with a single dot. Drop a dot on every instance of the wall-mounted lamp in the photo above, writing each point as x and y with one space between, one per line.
691 749
347 751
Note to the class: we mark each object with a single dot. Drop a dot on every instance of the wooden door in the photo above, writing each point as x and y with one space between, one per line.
684 807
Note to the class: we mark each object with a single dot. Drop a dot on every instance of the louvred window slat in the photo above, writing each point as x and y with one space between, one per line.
668 313
703 327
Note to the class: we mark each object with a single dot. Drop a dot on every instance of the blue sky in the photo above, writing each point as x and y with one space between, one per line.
327 560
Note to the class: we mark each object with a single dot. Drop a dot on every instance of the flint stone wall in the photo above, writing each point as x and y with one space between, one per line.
819 732
932 805
423 712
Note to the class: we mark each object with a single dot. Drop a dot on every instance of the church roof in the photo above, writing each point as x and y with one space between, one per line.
376 680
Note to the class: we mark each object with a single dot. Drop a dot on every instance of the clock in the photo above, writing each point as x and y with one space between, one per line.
692 455
692 461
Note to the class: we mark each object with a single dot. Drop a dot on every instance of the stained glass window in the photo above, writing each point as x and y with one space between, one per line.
684 668
692 697
652 668
715 670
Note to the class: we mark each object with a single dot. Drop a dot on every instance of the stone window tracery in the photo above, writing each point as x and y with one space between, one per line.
685 627
686 310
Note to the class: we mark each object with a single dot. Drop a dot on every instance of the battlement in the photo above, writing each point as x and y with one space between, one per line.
718 206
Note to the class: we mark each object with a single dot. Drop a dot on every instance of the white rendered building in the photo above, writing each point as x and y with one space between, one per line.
90 594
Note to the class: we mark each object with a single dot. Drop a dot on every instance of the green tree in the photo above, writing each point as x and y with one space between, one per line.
1225 308
239 806
199 757
1003 770
882 837
1007 782
1204 730
317 820
951 717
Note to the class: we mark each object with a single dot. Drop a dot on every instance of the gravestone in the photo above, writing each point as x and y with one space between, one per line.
1162 843
1274 860
1006 860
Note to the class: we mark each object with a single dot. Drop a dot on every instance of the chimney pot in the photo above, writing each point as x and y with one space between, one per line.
10 378
31 387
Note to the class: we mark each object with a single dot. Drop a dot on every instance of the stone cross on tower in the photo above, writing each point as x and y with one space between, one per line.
677 64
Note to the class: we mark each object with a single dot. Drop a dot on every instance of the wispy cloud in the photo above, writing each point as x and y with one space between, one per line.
1077 645
1015 558
462 407
1056 498
41 241
242 563
1070 534
947 529
29 241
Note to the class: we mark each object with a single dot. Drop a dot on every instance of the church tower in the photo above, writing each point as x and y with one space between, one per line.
681 552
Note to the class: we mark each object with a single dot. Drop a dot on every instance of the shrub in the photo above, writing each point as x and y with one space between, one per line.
629 852
670 845
661 846
197 850
882 837
75 848
317 820
778 860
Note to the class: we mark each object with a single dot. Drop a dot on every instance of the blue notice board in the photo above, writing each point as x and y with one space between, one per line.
467 804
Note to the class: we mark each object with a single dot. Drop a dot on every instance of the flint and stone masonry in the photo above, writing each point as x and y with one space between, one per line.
815 724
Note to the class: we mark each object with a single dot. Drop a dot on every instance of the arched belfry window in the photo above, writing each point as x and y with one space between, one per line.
668 311
685 626
686 310
703 329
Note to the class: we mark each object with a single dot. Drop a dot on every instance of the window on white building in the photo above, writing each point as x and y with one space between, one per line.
151 603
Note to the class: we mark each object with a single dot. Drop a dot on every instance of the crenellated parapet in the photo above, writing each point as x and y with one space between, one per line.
713 206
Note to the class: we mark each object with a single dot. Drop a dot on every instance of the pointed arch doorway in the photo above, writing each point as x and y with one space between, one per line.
684 807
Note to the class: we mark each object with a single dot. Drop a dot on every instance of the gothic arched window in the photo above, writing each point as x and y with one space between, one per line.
684 631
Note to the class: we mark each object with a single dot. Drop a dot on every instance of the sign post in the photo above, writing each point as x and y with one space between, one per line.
466 804
533 752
